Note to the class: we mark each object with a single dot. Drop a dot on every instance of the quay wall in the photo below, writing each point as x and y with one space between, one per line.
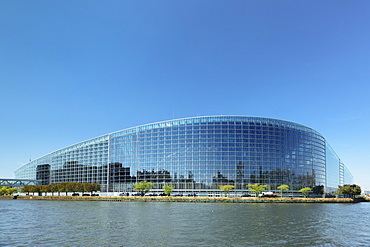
190 199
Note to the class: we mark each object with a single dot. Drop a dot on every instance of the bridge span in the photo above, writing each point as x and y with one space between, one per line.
19 183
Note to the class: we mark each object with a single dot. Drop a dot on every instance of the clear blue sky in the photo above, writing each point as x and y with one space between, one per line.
74 70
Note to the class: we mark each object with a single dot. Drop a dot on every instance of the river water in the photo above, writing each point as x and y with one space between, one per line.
89 223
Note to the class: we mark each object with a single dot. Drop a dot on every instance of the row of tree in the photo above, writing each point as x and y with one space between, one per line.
349 190
62 187
259 188
7 190
144 187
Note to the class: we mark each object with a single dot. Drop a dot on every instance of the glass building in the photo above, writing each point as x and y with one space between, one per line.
198 155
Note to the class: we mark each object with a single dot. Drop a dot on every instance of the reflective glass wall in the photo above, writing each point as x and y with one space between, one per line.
85 162
204 153
333 169
196 154
347 176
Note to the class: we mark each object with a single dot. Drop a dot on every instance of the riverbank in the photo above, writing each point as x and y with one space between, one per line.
191 199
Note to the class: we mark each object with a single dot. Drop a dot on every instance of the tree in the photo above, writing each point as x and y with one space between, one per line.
3 190
283 187
226 188
319 189
350 190
26 189
257 188
74 187
91 187
44 188
87 187
168 189
95 187
7 190
11 190
143 187
62 187
54 188
35 188
70 187
305 191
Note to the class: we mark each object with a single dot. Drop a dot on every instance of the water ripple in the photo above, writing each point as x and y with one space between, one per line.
65 223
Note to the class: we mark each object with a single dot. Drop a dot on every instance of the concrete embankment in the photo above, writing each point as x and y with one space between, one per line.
191 199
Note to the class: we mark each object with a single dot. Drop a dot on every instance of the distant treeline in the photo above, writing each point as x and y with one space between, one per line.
62 187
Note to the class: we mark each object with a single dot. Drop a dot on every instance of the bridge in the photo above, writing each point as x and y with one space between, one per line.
19 183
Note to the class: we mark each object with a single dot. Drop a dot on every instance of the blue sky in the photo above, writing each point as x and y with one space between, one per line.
74 70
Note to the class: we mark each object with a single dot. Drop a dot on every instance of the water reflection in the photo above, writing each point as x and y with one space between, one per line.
53 223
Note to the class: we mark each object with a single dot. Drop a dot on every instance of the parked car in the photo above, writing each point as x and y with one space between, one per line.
124 194
151 194
75 194
136 194
246 195
94 194
177 195
85 194
192 194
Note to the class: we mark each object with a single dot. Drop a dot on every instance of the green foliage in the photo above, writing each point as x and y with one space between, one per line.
36 189
54 188
26 189
44 188
305 191
143 187
226 188
168 189
257 188
12 190
87 187
319 189
73 187
350 190
94 187
3 190
283 187
7 190
62 187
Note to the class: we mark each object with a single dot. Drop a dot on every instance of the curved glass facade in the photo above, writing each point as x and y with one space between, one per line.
197 155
